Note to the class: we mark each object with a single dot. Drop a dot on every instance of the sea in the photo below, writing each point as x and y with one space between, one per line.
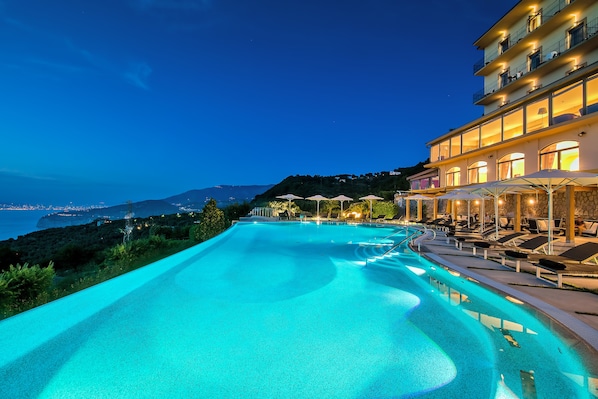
15 223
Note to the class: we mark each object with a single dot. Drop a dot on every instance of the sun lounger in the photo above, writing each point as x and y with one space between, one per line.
524 249
505 240
573 261
582 253
461 237
562 269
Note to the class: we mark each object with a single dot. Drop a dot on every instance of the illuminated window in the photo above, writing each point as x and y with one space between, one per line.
435 153
577 34
591 95
511 165
471 140
444 150
562 155
453 177
491 132
534 21
455 145
477 172
566 103
536 115
513 124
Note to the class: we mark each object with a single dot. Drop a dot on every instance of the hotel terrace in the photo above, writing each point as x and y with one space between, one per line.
540 99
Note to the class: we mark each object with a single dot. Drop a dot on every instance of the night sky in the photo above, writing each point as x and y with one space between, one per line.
109 101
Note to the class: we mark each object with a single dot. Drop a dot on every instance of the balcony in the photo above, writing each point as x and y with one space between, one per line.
551 19
552 57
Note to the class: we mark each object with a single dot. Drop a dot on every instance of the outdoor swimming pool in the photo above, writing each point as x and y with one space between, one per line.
287 310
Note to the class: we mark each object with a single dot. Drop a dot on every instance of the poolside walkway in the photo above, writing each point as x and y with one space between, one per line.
571 306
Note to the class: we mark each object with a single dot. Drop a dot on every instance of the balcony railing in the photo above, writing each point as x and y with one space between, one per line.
515 37
549 52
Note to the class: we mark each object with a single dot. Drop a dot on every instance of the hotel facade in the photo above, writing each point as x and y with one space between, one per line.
540 101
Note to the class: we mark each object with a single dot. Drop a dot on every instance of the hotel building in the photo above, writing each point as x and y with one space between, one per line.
540 101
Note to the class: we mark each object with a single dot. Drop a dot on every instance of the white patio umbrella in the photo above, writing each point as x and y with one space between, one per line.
317 198
551 180
371 198
495 189
465 195
418 198
289 197
342 198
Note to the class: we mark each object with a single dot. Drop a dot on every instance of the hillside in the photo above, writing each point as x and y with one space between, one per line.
383 184
193 200
224 195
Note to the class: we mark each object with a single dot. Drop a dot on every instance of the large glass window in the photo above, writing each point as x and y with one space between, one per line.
566 103
444 150
513 124
577 34
511 165
435 153
471 140
591 95
477 172
491 132
562 155
453 177
455 145
537 115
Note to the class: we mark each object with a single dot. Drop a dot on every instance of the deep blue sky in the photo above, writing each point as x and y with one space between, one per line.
116 100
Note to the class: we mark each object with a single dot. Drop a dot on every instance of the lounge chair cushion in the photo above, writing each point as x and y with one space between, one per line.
551 264
515 254
481 244
542 225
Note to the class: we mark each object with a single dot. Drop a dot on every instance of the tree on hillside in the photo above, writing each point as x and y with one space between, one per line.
212 222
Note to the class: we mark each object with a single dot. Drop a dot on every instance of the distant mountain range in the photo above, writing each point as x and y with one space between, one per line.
193 200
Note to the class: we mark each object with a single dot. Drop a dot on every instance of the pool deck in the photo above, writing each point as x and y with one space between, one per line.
572 305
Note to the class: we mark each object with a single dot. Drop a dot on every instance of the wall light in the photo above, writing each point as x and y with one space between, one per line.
581 134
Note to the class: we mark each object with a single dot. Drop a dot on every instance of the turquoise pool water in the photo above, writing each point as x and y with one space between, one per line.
287 310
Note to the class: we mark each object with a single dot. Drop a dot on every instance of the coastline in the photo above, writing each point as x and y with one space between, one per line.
19 222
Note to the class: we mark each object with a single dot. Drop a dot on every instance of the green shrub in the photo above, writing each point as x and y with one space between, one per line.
387 208
24 283
6 295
